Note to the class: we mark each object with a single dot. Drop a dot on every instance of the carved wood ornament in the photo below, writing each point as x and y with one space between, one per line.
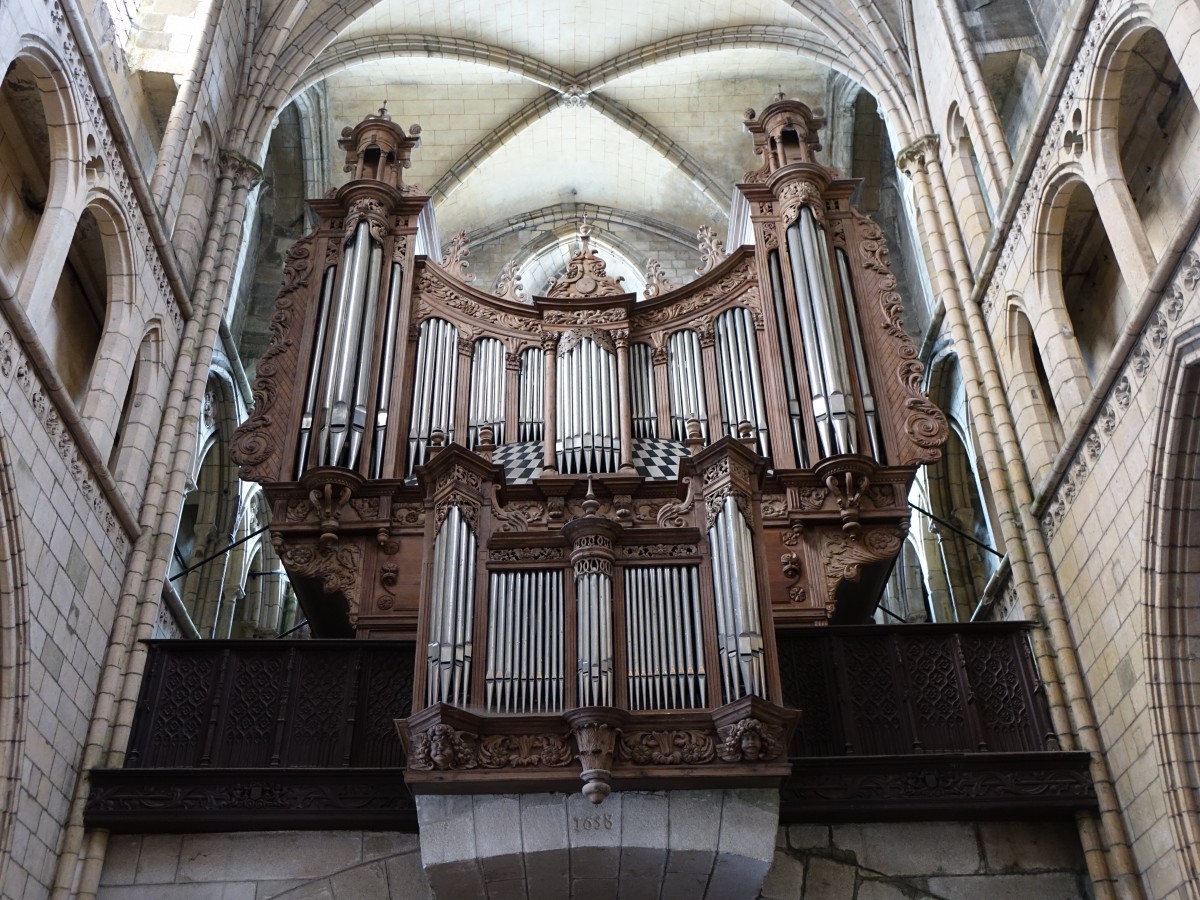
608 462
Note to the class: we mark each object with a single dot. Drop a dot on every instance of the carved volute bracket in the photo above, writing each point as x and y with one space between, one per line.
846 554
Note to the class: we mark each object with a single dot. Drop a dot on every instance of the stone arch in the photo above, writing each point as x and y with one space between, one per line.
1172 608
1083 286
1141 92
141 410
1030 394
14 652
957 493
120 318
967 183
190 223
211 509
40 103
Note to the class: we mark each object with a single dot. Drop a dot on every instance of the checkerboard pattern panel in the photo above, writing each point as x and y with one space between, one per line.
654 459
522 461
657 459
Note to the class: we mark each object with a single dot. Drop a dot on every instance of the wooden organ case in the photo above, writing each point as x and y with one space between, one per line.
590 511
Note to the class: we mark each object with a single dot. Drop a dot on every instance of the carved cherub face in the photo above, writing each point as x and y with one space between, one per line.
752 744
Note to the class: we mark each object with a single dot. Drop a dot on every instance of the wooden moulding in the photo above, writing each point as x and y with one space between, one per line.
935 786
741 744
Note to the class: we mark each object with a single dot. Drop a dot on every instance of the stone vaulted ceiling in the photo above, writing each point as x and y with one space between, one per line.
562 105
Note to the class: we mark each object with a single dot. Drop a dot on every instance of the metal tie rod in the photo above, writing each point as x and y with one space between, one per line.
970 537
219 553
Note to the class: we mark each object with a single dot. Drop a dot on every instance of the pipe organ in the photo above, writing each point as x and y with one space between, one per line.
591 512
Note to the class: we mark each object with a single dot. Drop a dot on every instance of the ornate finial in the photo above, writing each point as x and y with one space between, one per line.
454 259
586 272
780 95
656 280
590 504
383 113
509 286
712 250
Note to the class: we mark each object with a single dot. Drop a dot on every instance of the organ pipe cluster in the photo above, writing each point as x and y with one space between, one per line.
587 500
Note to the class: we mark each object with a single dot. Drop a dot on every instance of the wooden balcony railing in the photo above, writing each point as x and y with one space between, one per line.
242 735
904 721
908 721
870 690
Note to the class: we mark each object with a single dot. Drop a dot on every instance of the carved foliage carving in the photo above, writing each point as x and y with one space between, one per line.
668 748
253 443
923 423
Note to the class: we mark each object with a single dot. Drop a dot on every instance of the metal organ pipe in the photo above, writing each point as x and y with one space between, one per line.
531 405
593 593
686 375
451 612
664 646
644 410
828 369
387 359
795 412
487 391
433 387
343 406
525 642
314 372
870 414
735 588
588 426
740 376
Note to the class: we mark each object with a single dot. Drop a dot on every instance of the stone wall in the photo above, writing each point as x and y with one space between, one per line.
928 861
281 865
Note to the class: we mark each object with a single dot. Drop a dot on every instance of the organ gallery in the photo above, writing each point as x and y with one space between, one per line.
593 513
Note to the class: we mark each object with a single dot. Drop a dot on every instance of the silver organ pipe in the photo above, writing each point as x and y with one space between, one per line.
314 374
740 376
589 432
795 412
433 387
451 612
641 389
824 349
386 360
593 599
735 588
531 402
870 413
487 391
343 406
685 373
525 642
664 647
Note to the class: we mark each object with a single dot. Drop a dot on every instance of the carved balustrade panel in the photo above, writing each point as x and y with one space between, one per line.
259 704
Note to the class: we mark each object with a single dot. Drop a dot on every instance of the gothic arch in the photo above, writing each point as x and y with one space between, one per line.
14 662
1140 90
48 119
1172 608
1085 323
